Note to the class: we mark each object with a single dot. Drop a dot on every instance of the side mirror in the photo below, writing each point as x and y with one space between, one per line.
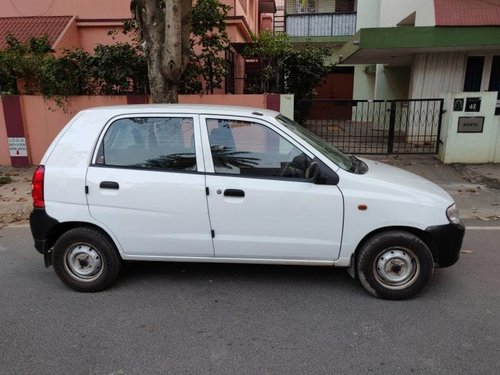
313 172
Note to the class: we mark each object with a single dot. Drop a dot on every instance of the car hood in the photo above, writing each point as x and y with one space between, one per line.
395 180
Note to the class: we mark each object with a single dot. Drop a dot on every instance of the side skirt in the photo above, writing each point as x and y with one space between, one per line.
302 262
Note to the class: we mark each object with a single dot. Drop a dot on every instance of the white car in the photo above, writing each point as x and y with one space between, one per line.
193 183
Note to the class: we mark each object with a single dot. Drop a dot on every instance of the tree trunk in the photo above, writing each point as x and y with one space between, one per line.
164 28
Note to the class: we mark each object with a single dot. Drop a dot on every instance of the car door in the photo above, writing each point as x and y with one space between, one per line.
260 203
145 186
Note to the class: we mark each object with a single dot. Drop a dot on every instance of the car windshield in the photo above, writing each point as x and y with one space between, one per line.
344 161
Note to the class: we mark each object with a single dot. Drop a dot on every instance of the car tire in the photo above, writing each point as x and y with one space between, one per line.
394 265
86 260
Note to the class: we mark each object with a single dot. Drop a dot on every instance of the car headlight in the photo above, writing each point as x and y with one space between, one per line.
453 215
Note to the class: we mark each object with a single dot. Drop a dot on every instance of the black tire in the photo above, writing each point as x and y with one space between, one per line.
394 265
86 260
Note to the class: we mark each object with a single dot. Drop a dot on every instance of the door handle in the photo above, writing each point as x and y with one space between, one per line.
234 193
109 185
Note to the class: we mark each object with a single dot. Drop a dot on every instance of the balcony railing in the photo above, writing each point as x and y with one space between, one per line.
320 24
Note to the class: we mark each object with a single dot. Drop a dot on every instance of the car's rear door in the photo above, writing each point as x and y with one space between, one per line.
260 203
145 186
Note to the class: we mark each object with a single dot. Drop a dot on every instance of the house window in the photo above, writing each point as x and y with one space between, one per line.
495 75
473 73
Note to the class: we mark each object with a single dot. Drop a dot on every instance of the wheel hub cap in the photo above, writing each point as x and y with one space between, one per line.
395 267
84 261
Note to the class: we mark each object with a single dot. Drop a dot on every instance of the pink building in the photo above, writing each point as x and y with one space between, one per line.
85 24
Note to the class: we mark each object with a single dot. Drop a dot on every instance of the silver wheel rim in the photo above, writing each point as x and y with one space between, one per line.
396 268
84 262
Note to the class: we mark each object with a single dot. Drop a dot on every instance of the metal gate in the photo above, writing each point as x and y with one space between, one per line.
375 126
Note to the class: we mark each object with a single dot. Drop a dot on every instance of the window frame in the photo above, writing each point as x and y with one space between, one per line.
200 164
207 153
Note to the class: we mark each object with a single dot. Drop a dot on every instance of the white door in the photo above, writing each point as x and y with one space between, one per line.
145 187
260 203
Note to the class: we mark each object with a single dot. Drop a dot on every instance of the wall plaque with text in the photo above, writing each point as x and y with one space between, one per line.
470 124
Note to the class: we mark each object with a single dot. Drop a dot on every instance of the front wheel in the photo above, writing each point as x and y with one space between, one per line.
394 265
86 260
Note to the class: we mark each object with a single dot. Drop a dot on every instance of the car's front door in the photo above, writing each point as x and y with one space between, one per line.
261 205
144 186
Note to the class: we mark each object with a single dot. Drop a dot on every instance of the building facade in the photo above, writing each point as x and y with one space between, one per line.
424 48
85 24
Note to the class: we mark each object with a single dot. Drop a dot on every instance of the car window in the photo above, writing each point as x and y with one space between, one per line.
149 142
251 149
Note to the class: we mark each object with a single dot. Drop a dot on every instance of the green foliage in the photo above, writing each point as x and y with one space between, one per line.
111 70
271 50
118 69
287 68
7 78
70 74
304 69
209 41
23 61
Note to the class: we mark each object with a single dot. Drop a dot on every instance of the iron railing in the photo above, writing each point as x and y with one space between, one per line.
375 126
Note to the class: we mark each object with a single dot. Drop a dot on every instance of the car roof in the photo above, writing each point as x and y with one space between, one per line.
186 108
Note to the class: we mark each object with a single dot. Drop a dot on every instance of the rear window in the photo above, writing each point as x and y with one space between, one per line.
165 143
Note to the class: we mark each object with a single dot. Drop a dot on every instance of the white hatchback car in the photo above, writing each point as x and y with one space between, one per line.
197 183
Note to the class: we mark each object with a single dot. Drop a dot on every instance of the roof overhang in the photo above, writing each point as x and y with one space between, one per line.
396 45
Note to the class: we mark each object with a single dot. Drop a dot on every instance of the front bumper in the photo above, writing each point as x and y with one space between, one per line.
446 243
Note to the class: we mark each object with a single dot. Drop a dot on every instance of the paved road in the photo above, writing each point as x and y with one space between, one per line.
236 319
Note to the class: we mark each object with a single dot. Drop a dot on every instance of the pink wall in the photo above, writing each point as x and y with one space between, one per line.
4 146
92 34
69 39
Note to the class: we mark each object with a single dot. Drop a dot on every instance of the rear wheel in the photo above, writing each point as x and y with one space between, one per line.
394 265
86 260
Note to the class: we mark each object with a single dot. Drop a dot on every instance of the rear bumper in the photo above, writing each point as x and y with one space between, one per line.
447 242
41 225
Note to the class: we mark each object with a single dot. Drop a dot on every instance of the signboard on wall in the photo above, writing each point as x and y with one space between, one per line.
473 105
470 124
17 146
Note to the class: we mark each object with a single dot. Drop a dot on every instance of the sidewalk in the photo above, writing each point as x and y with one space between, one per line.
15 196
475 187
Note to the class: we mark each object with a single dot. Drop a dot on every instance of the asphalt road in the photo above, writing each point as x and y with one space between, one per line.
237 319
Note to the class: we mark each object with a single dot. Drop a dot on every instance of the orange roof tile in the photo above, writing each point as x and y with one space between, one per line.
24 28
467 12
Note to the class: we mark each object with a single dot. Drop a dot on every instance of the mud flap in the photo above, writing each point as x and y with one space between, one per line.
47 257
